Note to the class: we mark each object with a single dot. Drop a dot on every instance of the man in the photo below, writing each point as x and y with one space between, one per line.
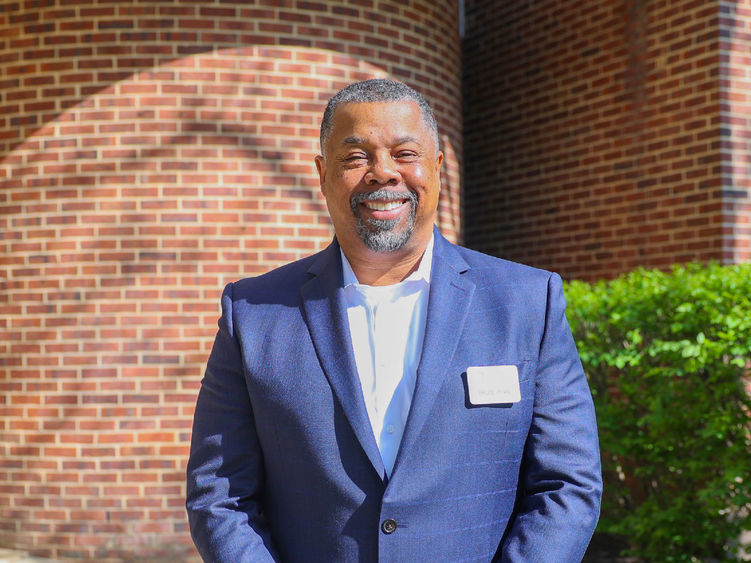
393 397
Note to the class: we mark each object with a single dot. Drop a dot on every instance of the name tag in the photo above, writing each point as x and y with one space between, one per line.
489 385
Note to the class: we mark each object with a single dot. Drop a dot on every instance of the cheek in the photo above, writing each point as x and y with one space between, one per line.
337 185
423 178
418 175
425 181
337 199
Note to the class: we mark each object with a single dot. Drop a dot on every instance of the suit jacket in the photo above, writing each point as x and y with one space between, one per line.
284 465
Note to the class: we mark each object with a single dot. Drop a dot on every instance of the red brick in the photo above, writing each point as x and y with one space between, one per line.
539 154
152 188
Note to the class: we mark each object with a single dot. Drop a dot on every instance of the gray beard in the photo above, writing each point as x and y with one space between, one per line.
383 235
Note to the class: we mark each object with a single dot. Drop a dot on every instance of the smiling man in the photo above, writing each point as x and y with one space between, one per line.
380 174
393 397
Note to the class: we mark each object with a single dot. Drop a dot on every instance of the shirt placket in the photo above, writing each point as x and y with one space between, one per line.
383 367
380 361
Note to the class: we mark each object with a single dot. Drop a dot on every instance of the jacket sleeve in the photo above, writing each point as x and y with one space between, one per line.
560 483
225 475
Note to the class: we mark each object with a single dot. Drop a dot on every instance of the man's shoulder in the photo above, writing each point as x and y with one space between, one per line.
283 279
484 265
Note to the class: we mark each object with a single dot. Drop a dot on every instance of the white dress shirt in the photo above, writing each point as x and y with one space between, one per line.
387 325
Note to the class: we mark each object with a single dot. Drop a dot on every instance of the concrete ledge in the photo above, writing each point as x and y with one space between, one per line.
16 556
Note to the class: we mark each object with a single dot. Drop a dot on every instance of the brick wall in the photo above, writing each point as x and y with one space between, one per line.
735 79
601 136
149 153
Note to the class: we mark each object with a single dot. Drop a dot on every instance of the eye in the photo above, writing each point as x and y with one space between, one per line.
354 158
406 155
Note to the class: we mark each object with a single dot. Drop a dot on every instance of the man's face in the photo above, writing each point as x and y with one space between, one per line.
380 175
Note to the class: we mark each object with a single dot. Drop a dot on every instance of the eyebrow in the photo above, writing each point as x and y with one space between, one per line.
361 140
353 141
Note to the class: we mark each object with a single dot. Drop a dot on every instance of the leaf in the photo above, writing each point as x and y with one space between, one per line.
667 354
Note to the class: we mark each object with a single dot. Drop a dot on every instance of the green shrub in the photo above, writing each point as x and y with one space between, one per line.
668 356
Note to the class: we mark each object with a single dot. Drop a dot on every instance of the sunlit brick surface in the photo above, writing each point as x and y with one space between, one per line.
150 152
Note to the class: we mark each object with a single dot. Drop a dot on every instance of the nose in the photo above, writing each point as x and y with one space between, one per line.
382 171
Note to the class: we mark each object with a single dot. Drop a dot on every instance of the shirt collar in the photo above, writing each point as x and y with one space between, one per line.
421 273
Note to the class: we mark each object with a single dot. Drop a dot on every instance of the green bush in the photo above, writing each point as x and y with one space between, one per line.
668 356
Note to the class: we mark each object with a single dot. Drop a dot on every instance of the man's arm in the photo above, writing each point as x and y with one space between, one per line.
225 469
560 482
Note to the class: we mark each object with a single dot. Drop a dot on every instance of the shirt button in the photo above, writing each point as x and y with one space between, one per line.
390 429
388 526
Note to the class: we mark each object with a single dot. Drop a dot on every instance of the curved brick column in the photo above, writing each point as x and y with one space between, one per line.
149 153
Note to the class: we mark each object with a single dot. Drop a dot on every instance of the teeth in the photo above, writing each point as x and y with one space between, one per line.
383 205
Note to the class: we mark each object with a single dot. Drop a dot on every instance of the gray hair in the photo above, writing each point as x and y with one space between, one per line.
376 90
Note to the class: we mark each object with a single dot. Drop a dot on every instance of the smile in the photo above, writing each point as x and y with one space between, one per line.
383 205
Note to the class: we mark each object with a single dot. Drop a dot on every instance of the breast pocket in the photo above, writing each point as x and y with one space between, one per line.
508 390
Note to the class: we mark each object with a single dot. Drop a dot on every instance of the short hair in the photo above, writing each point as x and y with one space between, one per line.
376 90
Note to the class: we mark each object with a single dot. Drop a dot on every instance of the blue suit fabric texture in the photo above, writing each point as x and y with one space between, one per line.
284 465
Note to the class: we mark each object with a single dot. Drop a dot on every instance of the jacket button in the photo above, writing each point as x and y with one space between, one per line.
388 526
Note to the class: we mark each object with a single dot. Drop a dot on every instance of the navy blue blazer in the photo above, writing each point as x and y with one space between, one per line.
284 465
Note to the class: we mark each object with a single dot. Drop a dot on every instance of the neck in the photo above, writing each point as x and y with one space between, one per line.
376 273
384 268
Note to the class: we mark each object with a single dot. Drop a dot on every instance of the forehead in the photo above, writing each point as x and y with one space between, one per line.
378 119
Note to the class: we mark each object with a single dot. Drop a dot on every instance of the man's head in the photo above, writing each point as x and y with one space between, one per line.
375 90
380 167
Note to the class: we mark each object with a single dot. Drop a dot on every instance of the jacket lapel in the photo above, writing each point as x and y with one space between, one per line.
326 317
448 304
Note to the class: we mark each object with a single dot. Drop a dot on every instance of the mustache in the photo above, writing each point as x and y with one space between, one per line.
383 195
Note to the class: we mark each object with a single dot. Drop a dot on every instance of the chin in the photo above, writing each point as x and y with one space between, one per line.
385 240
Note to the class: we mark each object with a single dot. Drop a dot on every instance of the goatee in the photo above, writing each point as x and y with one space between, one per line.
381 235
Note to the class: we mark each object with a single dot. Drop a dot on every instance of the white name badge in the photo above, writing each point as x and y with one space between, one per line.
489 385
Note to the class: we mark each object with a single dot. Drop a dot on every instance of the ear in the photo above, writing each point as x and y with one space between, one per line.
439 163
321 167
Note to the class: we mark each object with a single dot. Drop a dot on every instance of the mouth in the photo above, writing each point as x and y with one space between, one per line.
380 205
